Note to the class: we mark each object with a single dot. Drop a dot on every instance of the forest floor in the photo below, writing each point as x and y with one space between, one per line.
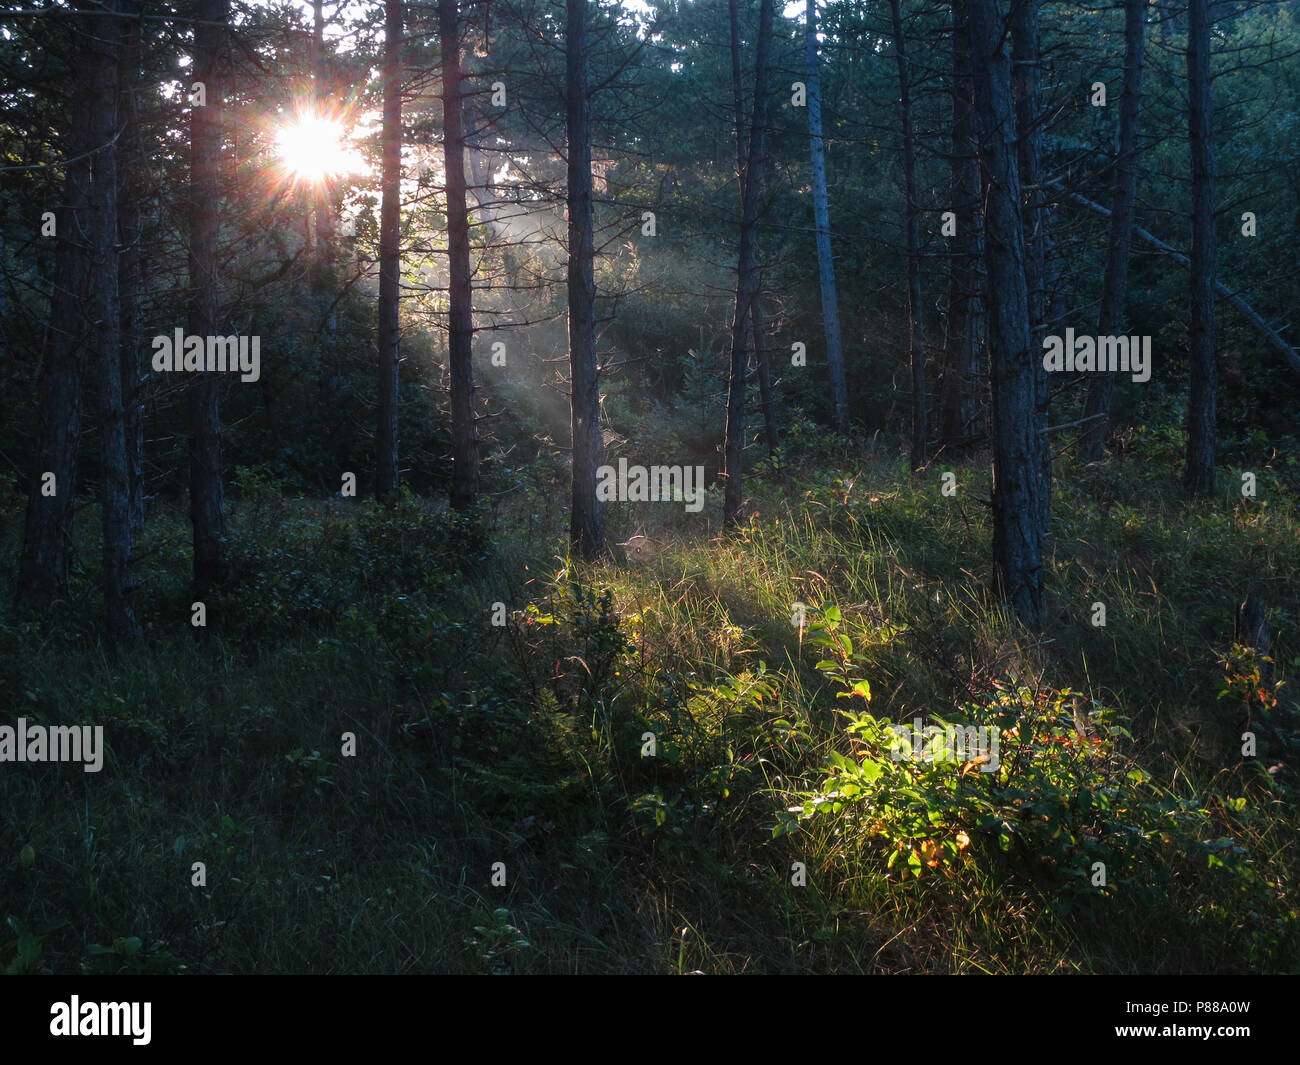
409 743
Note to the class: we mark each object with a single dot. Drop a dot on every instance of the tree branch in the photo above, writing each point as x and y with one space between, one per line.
1247 311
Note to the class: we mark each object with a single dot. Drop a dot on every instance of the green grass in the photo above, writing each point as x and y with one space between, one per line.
521 744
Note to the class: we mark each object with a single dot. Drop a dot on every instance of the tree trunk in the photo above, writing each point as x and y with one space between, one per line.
737 88
586 522
1025 91
321 274
390 266
104 312
130 186
460 332
323 207
1198 476
1017 473
206 502
751 179
43 569
965 307
821 220
1114 293
915 334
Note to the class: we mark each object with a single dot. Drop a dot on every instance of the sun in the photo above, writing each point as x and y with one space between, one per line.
315 148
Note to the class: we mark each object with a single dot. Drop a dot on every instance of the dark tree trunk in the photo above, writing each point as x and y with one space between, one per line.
965 306
322 197
1017 472
43 569
104 312
737 90
751 179
1114 293
1198 476
460 333
586 522
386 461
1025 91
915 333
206 501
130 198
821 218
321 273
762 356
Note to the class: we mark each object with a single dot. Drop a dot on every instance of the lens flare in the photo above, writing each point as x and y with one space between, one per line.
315 148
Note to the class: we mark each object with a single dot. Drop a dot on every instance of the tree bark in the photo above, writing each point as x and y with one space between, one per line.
821 219
43 569
751 179
915 332
390 266
104 311
323 207
965 304
460 332
206 497
586 521
1017 473
130 218
764 363
1114 293
1029 138
1198 474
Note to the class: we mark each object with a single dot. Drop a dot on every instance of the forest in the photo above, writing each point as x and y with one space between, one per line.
649 487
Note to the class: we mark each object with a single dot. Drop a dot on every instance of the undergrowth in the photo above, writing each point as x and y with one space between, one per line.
412 741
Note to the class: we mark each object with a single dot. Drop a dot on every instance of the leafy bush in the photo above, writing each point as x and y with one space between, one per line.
1061 798
571 645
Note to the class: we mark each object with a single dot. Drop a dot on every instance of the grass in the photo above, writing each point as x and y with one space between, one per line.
522 743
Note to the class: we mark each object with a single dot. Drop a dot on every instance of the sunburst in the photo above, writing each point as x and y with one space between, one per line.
314 148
